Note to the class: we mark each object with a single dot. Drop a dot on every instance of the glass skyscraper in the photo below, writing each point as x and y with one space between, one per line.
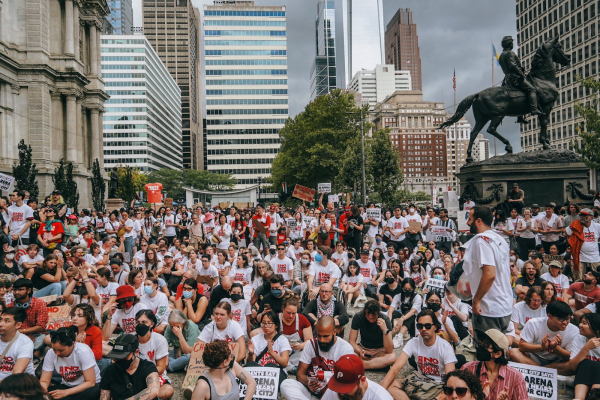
120 19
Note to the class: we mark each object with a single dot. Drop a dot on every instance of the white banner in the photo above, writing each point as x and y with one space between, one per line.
291 223
541 382
436 285
324 187
440 231
334 198
6 182
374 213
267 382
308 220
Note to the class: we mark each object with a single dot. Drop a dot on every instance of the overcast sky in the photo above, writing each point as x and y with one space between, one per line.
452 33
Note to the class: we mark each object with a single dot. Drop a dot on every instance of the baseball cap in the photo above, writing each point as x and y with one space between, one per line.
124 346
556 264
536 254
515 185
496 337
535 206
596 274
168 254
365 251
347 372
272 247
72 216
56 191
125 291
586 211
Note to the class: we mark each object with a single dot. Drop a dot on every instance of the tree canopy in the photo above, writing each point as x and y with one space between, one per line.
173 181
590 129
25 172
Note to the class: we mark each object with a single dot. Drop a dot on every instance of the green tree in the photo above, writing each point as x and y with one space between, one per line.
403 195
206 180
131 181
63 181
25 171
383 166
589 131
98 186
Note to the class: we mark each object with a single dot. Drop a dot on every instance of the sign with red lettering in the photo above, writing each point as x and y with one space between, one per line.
58 317
303 193
154 192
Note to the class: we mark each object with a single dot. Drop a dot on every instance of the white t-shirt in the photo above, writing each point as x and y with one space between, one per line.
159 305
18 218
141 257
83 221
222 267
367 270
275 219
170 219
589 249
560 282
121 277
21 348
431 360
224 235
282 267
113 226
344 257
298 231
279 346
90 259
373 392
373 229
522 313
230 334
415 217
593 354
130 224
354 281
190 265
431 221
324 274
155 349
240 310
126 319
241 274
27 259
498 301
71 368
397 225
340 348
417 302
535 329
106 292
460 306
212 271
77 299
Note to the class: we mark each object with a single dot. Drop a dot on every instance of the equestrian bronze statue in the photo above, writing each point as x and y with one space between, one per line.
521 94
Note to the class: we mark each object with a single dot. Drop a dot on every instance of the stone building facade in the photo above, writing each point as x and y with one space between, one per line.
51 89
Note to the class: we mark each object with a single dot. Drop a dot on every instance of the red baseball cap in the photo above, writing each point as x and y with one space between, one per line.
347 372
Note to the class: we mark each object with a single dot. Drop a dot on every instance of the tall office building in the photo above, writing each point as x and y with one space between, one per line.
377 84
142 122
246 87
481 148
575 23
352 31
457 140
402 46
120 19
173 29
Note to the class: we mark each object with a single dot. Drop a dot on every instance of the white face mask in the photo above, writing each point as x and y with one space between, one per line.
304 261
10 256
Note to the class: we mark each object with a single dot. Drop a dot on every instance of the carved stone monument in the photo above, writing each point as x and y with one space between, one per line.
113 202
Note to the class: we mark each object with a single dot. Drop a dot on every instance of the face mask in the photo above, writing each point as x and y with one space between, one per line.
411 210
125 364
276 292
236 297
142 330
187 295
408 292
389 280
419 244
148 289
318 258
513 258
304 261
271 252
440 277
10 256
378 240
325 347
435 307
482 354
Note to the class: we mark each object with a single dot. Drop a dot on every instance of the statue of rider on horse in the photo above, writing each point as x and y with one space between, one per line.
520 94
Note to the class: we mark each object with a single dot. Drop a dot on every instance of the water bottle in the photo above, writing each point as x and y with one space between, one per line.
324 376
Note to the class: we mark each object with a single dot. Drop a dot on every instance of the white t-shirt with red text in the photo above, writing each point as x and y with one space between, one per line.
18 218
560 282
340 348
159 305
589 248
71 368
535 329
155 349
367 270
239 312
431 360
279 346
106 292
522 313
241 274
282 267
22 347
232 332
126 319
324 274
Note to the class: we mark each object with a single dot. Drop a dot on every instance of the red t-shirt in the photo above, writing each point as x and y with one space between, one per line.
238 226
154 192
265 220
583 298
56 228
342 225
291 329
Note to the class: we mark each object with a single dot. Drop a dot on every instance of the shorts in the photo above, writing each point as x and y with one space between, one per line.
374 352
539 360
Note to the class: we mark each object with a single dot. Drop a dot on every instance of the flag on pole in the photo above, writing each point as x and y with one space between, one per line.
454 80
495 54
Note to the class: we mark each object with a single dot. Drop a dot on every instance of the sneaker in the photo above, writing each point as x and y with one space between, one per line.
360 301
398 341
406 337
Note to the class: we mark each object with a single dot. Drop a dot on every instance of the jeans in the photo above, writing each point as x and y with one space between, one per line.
56 288
178 364
91 393
103 363
371 291
129 243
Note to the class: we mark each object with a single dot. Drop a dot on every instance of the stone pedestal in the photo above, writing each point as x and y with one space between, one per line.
545 176
114 204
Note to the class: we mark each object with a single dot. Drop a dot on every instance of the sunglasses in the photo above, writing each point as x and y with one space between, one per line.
426 326
125 300
460 391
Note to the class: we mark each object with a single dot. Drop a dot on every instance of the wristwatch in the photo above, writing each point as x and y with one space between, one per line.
388 331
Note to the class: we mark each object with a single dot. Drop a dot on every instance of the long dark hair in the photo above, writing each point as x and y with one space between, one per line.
412 284
23 386
354 211
593 320
472 381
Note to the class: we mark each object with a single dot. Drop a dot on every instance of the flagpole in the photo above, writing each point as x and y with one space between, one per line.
493 81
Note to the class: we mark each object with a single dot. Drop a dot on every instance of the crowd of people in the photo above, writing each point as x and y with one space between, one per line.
276 288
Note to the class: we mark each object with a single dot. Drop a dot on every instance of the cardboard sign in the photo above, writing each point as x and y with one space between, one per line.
334 198
205 280
292 223
436 285
541 382
303 193
224 205
440 231
58 317
196 366
256 224
324 187
374 213
267 383
241 206
415 226
550 257
48 299
6 182
168 202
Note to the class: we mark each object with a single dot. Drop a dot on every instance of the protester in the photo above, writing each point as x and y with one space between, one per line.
580 294
223 328
18 358
376 348
462 384
585 355
349 380
408 304
122 312
34 325
550 226
525 310
530 277
583 239
325 305
560 281
22 386
240 308
157 302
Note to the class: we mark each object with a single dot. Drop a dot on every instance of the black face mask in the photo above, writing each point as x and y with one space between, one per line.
389 280
142 330
482 354
408 293
435 307
125 364
325 347
236 297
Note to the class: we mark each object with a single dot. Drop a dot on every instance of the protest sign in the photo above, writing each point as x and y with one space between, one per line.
267 383
168 202
440 231
541 382
291 223
308 220
225 204
58 317
550 257
303 193
6 182
48 299
374 213
196 368
334 198
415 226
436 285
324 187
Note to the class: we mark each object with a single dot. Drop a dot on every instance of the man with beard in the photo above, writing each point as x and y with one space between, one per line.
580 294
319 355
324 305
487 269
350 383
34 325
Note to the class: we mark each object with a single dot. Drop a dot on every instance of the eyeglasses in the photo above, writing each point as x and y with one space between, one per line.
144 245
281 248
563 320
125 300
426 326
325 291
266 324
460 391
536 300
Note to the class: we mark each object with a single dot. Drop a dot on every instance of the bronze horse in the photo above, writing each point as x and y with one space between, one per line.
495 103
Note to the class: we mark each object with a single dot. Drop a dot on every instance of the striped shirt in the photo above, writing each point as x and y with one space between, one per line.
507 377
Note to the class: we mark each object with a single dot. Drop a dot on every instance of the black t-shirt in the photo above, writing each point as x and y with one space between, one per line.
357 221
524 282
33 230
371 335
275 302
113 379
217 295
37 280
5 269
385 289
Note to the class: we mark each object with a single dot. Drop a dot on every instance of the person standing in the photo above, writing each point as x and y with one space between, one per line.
397 226
515 198
21 217
487 269
583 238
444 242
550 226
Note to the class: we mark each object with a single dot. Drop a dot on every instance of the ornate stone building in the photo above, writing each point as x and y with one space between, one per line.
51 89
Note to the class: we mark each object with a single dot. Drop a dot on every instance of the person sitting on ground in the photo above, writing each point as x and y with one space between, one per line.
580 294
35 324
82 290
221 375
390 289
190 273
193 304
430 355
353 283
129 376
20 352
220 293
350 382
240 307
294 326
458 312
466 386
76 364
585 355
525 310
157 302
224 328
560 281
30 261
22 386
122 314
376 348
322 271
182 334
404 309
537 259
529 278
273 301
318 356
51 278
548 341
323 305
498 379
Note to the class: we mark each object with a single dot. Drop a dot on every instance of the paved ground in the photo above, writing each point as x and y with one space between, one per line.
177 378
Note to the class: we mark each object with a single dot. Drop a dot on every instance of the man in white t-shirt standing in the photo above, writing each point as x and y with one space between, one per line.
373 225
430 220
349 380
275 224
588 230
397 226
283 265
130 235
21 217
170 221
18 358
487 269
